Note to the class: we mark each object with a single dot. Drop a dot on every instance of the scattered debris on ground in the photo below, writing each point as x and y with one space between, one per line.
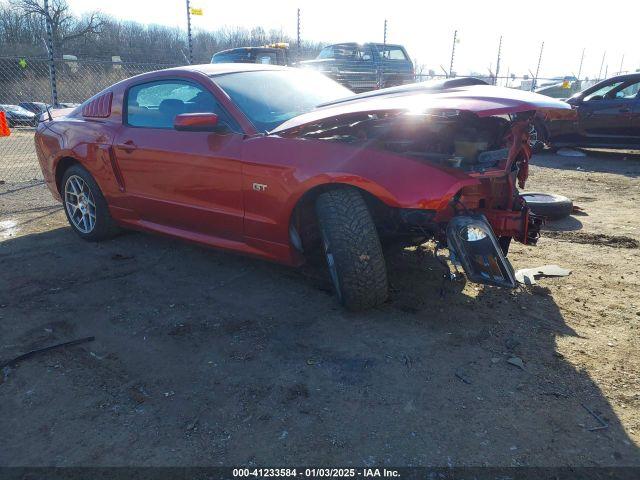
529 276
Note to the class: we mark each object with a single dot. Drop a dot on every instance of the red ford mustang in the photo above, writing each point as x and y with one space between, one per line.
273 161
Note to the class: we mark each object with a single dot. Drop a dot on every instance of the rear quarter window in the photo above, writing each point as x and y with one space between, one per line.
392 53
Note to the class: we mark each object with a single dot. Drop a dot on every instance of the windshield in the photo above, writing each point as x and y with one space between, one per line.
271 97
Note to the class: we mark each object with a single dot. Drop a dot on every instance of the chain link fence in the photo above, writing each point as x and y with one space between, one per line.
26 91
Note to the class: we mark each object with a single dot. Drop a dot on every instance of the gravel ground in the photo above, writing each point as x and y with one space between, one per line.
208 358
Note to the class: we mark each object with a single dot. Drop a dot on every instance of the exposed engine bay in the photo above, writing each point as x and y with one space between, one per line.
449 138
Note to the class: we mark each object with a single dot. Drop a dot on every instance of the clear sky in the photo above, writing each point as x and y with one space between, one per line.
426 28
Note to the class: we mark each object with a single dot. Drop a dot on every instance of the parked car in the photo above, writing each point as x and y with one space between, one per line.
241 157
67 105
35 107
362 67
561 90
18 116
273 54
608 116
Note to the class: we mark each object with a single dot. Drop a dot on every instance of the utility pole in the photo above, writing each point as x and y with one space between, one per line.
298 30
385 32
621 62
495 82
535 79
453 52
52 63
581 62
602 65
189 39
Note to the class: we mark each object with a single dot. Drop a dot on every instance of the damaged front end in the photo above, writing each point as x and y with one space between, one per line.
478 222
484 137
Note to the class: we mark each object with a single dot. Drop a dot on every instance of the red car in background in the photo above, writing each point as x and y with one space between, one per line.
274 162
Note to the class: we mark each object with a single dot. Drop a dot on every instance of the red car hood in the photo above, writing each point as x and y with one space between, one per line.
483 100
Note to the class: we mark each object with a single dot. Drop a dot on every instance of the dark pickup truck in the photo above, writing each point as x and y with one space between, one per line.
362 67
273 54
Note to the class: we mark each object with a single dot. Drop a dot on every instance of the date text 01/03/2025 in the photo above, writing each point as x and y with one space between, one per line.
315 472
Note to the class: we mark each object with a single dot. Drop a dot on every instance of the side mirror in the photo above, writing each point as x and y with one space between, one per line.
196 122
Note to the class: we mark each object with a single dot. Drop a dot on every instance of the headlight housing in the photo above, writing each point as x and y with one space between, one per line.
472 233
471 240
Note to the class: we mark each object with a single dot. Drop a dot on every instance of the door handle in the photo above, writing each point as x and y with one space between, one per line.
128 146
625 110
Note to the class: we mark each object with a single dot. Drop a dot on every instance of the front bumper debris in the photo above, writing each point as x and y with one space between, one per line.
473 244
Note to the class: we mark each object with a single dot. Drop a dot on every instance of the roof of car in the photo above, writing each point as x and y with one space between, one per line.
618 78
221 68
628 76
353 44
245 49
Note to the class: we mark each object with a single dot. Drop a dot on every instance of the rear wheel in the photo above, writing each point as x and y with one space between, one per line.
352 249
85 206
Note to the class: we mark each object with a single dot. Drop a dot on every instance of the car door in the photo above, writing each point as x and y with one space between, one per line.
606 116
635 121
397 69
357 67
180 181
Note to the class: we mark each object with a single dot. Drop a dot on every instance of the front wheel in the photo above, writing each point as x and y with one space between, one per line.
352 249
85 206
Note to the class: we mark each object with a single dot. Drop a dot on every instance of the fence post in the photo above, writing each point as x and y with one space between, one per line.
52 65
495 82
189 37
581 61
534 84
298 30
453 53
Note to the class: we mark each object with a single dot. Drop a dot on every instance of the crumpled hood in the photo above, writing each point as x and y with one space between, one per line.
482 100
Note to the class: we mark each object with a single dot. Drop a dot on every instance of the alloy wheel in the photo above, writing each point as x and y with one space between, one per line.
80 204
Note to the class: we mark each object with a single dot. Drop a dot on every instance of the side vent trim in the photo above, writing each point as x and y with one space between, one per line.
99 107
116 169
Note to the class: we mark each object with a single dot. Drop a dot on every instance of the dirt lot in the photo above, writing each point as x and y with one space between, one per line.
18 156
209 358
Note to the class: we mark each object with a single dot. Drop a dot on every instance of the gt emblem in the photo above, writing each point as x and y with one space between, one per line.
259 187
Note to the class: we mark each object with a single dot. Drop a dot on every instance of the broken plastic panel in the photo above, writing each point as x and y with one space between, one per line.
478 251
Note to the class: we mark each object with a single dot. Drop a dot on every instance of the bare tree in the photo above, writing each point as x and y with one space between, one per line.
65 26
22 30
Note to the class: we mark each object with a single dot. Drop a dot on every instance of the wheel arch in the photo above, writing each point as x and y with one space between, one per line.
302 219
62 165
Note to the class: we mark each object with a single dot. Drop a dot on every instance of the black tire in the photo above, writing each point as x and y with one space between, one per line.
103 227
352 249
552 207
537 137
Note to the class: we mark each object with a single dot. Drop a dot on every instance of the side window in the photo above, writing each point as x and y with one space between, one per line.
326 52
156 104
266 58
602 92
392 53
628 92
